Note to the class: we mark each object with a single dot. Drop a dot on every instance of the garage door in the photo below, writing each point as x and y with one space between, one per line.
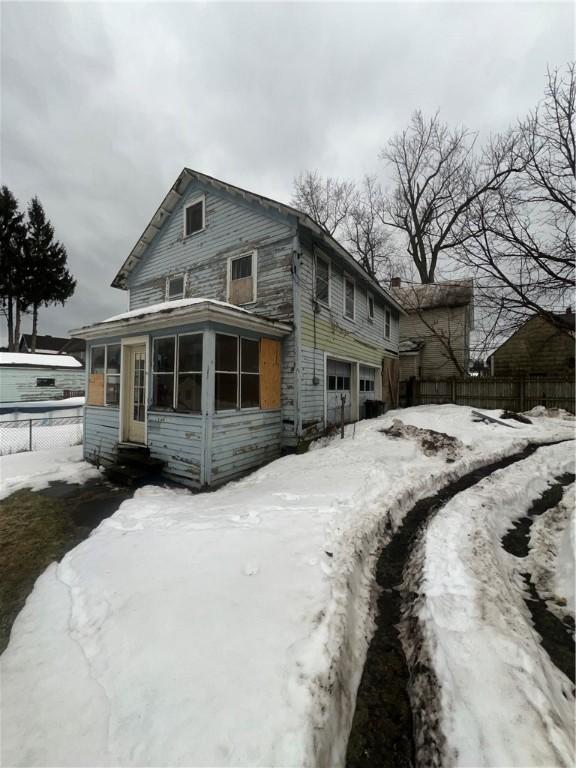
367 385
338 385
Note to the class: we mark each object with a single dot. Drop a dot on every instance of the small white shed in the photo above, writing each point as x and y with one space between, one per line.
26 377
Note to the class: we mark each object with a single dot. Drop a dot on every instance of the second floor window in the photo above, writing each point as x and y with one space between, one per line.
387 323
175 287
370 307
193 217
322 280
349 298
242 279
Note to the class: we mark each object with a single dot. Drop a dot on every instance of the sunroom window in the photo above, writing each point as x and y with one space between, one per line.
177 372
237 373
104 384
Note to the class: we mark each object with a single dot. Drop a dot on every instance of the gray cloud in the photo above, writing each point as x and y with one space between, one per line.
103 104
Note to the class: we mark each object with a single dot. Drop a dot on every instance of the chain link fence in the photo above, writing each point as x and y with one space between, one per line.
40 434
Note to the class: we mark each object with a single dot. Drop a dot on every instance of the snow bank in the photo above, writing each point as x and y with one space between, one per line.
227 628
37 469
503 701
553 553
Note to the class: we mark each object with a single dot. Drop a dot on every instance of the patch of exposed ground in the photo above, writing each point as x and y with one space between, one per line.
430 441
37 529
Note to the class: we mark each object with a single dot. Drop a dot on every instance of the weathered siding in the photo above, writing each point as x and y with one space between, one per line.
18 384
176 438
409 366
536 349
329 332
233 226
449 323
101 426
243 440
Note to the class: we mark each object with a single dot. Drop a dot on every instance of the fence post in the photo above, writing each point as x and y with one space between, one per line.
29 434
522 396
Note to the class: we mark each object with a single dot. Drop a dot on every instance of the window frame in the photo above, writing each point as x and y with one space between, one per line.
254 254
387 324
93 347
44 379
184 276
349 279
189 204
238 373
175 373
370 298
320 256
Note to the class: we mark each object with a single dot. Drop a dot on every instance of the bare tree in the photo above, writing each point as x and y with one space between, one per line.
523 248
437 178
326 200
367 238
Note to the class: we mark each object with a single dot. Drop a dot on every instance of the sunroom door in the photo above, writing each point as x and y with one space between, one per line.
135 389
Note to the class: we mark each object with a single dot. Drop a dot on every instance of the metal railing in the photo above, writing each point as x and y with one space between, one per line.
21 435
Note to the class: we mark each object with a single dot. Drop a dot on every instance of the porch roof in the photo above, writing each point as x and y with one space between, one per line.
182 311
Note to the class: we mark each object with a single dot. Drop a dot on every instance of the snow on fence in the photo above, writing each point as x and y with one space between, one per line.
513 394
19 435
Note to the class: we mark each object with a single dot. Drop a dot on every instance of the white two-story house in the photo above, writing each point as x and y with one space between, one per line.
249 330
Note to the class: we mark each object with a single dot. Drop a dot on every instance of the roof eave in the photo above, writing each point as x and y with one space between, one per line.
198 313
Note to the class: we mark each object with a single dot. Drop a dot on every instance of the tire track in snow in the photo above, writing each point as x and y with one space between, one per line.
390 728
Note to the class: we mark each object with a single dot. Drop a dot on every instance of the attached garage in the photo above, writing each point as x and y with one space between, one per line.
367 386
338 385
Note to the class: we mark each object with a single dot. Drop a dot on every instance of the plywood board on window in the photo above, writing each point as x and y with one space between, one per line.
95 389
270 355
241 291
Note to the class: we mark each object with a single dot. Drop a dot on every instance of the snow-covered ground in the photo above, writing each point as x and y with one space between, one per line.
503 702
37 469
552 555
226 628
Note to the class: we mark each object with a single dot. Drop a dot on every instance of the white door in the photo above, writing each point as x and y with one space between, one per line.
338 386
135 389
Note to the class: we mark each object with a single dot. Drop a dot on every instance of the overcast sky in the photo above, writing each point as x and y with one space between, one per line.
103 104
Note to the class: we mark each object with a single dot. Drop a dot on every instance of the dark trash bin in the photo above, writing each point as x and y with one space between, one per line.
374 408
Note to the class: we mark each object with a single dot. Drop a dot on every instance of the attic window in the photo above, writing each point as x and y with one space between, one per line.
194 217
242 279
175 287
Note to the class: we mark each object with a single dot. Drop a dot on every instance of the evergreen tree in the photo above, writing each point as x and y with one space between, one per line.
12 269
47 279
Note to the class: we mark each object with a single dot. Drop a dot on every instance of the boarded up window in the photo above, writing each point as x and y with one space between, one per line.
242 279
96 378
269 374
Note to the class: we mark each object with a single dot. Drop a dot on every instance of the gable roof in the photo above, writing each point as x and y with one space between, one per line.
562 321
168 205
45 343
449 293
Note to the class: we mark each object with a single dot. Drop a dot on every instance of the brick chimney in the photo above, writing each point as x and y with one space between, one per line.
396 282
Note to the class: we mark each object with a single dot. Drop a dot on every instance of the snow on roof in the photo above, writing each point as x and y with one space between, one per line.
410 345
33 359
454 293
167 306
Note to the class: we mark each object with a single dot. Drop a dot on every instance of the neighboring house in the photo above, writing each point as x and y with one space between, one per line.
435 332
54 345
248 325
538 348
29 377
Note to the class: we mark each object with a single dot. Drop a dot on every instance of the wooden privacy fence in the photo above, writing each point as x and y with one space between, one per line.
514 394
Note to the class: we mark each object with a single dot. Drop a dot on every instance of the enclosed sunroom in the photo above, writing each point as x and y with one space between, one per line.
195 381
